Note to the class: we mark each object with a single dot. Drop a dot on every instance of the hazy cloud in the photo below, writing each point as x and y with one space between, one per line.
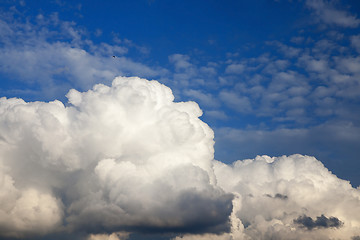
235 69
32 54
330 14
238 103
355 41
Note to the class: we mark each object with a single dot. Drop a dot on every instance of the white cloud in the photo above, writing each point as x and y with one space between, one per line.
330 14
31 54
349 65
355 42
103 161
278 198
214 114
180 61
235 68
238 103
297 40
288 51
186 73
275 191
317 65
205 99
26 212
112 236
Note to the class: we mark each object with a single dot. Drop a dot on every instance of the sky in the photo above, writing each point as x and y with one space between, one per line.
156 119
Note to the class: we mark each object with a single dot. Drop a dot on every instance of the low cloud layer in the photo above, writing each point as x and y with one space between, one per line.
126 158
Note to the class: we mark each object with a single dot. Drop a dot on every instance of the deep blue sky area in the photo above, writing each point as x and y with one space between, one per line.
272 77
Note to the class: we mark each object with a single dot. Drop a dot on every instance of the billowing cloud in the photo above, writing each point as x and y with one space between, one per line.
124 157
280 197
127 158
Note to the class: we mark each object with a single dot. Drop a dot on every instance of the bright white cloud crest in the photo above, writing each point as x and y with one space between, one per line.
129 158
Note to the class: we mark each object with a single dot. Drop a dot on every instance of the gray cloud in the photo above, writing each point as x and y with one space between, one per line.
278 196
320 222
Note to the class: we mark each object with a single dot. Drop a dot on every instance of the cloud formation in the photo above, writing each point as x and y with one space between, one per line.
127 158
278 198
124 157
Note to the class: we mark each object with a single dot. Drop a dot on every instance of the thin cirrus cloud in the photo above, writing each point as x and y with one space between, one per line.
126 158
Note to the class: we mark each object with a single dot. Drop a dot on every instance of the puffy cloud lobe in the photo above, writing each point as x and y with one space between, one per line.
288 197
26 212
280 197
119 157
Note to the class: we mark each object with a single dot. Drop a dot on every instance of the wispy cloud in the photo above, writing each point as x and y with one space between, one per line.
51 55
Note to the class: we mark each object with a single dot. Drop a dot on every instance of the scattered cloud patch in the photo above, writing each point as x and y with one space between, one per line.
328 13
32 54
235 69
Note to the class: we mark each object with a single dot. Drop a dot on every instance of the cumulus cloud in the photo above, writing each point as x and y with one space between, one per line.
27 212
282 195
127 158
124 157
275 197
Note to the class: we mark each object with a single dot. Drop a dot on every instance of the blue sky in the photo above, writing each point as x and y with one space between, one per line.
272 77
